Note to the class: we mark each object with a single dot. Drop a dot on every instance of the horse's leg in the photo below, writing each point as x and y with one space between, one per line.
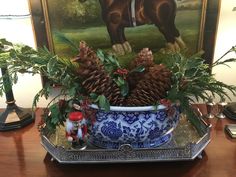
163 16
171 32
115 40
123 40
180 42
164 28
115 30
171 45
176 33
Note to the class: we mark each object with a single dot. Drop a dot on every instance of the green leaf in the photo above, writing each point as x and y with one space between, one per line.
125 89
43 92
194 63
54 109
93 96
51 66
62 38
66 80
191 73
179 75
3 41
121 81
72 91
113 60
103 103
35 100
26 49
109 68
100 55
138 69
109 61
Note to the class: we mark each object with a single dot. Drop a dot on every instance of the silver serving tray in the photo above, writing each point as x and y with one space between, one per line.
171 151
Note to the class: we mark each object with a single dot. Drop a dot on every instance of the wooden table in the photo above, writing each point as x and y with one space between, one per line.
22 155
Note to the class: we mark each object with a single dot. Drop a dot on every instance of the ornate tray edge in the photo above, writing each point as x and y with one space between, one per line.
126 154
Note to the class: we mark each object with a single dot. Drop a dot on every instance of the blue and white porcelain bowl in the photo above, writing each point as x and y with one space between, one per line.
141 127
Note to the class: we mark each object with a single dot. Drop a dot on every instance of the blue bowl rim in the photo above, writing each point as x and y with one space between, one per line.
132 109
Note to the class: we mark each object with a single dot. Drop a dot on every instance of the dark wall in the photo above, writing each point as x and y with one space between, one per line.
211 24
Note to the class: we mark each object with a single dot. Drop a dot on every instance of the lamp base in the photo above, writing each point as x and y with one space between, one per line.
14 117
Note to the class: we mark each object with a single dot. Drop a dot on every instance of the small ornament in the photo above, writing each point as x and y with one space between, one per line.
76 130
221 105
210 105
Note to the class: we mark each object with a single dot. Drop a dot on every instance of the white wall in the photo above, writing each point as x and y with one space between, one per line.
20 31
226 38
27 86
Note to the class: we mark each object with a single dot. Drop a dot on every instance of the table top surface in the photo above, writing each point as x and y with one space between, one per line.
21 154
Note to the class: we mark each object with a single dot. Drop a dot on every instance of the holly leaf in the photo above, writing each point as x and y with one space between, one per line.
138 69
103 103
124 89
93 96
113 60
100 55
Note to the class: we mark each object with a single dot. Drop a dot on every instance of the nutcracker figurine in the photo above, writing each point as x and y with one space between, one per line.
76 130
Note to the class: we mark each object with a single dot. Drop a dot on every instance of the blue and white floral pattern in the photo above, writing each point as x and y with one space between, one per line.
111 130
140 129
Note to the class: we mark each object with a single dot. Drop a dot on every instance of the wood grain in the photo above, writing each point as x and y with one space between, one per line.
21 155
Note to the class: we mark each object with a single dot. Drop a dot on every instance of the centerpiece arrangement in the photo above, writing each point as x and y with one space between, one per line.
137 105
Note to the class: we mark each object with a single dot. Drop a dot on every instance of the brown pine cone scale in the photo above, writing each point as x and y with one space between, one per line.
151 88
94 76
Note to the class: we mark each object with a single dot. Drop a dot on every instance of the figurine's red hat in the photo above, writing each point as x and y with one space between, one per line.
75 116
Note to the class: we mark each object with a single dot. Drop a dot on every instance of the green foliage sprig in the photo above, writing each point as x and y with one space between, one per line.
113 67
225 62
115 70
59 71
191 78
24 59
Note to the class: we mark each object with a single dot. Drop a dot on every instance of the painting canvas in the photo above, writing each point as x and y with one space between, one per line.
91 20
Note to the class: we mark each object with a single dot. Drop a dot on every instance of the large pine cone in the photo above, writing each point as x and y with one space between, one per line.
145 59
100 83
151 88
95 78
87 60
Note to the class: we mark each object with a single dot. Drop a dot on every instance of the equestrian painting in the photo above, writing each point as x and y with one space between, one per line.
124 27
119 14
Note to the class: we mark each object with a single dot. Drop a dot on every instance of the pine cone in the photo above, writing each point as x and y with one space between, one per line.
87 59
151 88
145 59
95 78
